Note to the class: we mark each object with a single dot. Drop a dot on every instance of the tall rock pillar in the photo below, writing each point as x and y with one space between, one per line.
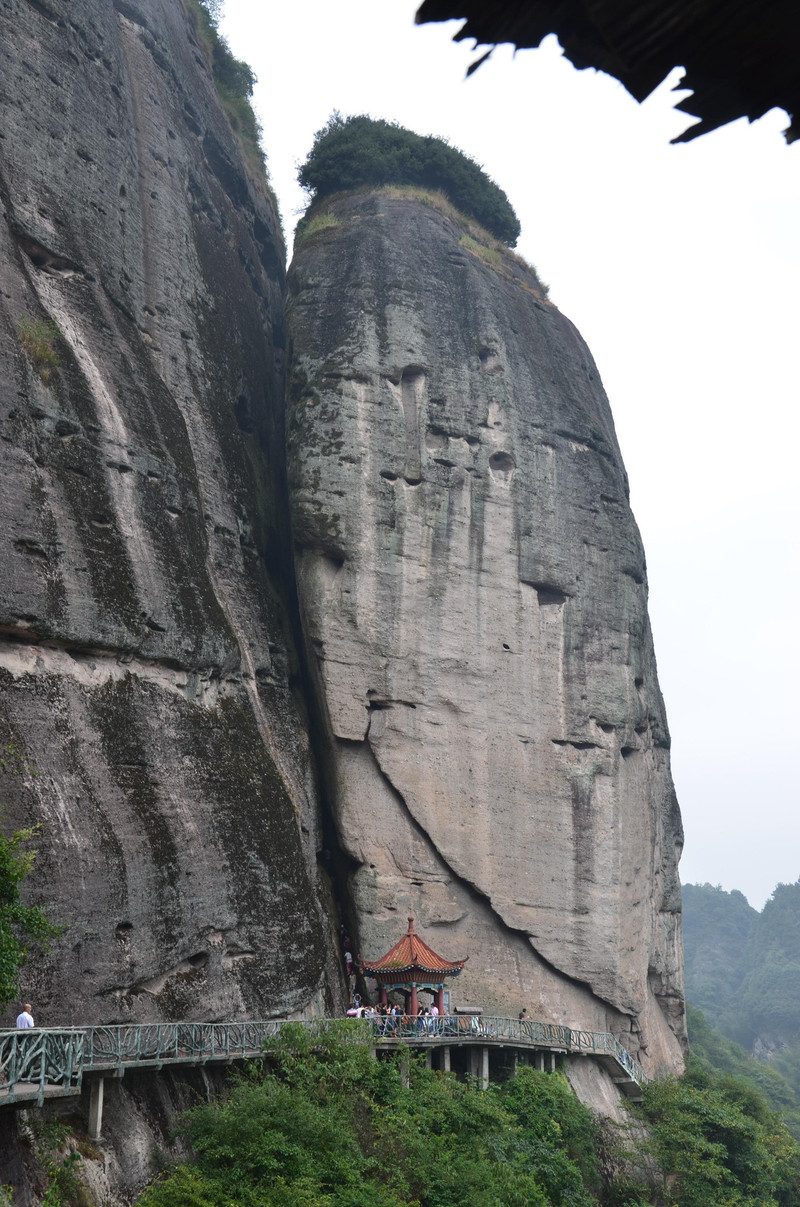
474 599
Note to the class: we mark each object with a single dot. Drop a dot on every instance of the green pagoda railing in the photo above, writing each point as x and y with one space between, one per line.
43 1063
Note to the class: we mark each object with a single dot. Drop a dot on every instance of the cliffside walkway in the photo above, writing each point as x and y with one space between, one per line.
43 1064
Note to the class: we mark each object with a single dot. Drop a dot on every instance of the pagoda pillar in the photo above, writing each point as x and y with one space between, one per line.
384 996
413 1007
440 999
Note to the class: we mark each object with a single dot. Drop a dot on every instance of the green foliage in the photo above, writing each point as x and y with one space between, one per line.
37 338
329 1126
716 1143
717 1052
21 926
63 1184
234 81
311 225
360 151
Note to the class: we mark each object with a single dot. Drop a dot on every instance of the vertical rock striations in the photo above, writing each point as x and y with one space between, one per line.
474 600
146 664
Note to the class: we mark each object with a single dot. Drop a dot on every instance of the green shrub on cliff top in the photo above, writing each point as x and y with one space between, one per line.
353 152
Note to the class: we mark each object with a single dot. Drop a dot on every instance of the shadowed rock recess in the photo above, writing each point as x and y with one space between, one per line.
146 662
473 594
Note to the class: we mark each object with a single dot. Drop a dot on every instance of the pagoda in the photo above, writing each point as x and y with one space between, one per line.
412 965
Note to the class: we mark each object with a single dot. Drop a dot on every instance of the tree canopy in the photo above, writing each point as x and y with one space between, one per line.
359 151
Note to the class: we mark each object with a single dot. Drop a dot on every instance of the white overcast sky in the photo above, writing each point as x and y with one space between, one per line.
680 266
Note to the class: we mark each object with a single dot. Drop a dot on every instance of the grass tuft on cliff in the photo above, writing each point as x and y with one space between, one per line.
358 151
37 339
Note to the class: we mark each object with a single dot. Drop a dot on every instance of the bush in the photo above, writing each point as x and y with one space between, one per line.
354 152
332 1127
717 1143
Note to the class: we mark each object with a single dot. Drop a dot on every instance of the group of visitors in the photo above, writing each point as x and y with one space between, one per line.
393 1019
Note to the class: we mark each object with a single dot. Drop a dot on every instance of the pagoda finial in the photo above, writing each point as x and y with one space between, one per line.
411 926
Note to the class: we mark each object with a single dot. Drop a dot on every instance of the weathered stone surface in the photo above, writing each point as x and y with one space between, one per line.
146 662
473 592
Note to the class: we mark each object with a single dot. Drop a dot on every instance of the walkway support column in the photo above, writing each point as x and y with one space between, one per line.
484 1068
96 1107
446 1058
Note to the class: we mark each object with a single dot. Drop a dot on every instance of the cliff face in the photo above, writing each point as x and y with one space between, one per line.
146 664
472 582
473 592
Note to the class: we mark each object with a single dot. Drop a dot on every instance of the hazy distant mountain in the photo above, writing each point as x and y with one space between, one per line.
742 969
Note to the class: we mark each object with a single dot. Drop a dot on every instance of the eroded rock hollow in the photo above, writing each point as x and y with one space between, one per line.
474 599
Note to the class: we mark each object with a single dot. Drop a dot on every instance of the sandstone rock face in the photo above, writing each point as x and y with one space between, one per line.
146 661
473 594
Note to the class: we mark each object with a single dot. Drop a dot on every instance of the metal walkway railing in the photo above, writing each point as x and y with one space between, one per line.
38 1063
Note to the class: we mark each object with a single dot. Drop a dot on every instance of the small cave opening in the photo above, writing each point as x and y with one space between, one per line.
502 465
243 411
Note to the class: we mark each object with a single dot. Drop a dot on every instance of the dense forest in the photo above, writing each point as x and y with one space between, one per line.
742 970
325 1125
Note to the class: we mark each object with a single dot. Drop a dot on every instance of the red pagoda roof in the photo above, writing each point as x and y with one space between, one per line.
411 954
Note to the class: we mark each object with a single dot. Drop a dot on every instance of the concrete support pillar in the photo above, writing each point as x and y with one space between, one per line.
446 1059
484 1068
539 1061
429 1059
552 1062
405 1067
95 1107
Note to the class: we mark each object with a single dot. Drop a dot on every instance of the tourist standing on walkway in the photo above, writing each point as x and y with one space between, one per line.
26 1018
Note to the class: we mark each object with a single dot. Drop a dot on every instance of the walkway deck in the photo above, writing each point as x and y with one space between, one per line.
41 1064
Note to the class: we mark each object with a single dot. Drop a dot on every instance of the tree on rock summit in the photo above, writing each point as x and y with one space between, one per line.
359 151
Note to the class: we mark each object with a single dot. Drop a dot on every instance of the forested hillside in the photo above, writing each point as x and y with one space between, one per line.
742 969
328 1126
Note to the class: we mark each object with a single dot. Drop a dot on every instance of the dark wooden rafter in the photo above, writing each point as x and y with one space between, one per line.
740 57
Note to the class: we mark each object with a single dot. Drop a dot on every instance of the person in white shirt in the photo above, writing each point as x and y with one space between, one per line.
26 1018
